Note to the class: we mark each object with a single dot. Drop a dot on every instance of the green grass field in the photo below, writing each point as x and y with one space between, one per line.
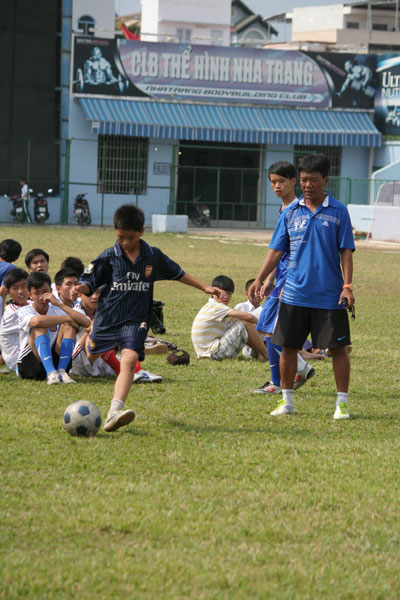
205 496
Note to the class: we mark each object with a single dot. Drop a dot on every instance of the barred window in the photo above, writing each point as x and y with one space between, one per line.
122 164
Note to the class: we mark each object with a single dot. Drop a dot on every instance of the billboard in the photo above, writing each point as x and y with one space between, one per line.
252 76
387 99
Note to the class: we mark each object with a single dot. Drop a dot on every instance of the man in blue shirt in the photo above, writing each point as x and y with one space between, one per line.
316 231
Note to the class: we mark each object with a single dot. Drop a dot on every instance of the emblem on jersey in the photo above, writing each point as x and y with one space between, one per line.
148 271
325 223
92 344
89 268
143 325
300 224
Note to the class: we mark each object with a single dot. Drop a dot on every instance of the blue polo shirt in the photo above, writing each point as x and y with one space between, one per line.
313 240
126 288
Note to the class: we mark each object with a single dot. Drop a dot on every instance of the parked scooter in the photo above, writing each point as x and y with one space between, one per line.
17 211
41 206
82 210
200 213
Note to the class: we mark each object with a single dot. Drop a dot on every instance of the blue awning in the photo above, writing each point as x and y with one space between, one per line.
222 123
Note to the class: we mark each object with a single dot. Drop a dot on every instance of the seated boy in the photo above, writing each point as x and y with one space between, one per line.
108 364
37 260
214 337
254 308
48 330
15 284
65 281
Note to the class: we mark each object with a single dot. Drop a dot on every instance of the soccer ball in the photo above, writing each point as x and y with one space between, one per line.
82 418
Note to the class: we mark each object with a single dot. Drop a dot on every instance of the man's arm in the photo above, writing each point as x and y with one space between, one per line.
207 289
243 316
346 257
271 261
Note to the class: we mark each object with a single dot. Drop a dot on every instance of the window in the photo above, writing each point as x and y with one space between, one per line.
352 25
86 24
121 164
379 26
216 37
183 35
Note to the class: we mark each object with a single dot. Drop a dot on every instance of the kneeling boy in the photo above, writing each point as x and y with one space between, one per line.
214 336
47 333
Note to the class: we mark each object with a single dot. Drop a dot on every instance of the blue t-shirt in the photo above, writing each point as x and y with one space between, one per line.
313 240
127 288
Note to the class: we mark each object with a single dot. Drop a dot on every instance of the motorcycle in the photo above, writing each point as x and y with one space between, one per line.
17 210
41 206
82 210
200 214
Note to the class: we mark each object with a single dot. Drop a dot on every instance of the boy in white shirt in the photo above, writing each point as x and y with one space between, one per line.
254 308
48 330
17 289
214 335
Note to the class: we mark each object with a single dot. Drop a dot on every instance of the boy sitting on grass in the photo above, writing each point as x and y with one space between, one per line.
126 274
17 289
48 330
214 336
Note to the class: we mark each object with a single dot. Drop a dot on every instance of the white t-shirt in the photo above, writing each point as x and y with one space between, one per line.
249 308
80 362
209 326
25 192
25 314
9 335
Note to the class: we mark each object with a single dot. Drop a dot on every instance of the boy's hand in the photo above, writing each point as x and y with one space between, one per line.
49 296
214 291
81 288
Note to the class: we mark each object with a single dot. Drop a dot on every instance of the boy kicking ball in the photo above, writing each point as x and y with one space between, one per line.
126 274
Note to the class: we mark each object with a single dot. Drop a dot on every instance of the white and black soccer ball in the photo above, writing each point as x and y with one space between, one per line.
82 418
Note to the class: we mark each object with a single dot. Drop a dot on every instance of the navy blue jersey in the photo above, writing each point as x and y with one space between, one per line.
126 287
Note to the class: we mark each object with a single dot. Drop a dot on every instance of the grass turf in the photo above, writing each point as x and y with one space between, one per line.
205 495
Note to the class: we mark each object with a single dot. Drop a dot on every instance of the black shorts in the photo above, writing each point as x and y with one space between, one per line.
328 328
131 337
31 368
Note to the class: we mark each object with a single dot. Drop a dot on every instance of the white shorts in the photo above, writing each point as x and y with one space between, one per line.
81 365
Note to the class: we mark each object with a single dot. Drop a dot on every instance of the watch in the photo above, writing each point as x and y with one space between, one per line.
348 286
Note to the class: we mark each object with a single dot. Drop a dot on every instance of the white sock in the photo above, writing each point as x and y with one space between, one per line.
342 397
301 363
116 405
287 396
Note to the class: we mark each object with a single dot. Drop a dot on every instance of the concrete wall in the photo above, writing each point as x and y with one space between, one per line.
103 13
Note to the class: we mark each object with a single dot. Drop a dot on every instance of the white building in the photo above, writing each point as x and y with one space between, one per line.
194 21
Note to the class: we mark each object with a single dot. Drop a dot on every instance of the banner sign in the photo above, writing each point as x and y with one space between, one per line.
231 74
387 99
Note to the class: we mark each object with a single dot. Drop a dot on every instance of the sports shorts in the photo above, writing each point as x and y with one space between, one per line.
132 338
232 342
31 368
269 314
82 367
328 328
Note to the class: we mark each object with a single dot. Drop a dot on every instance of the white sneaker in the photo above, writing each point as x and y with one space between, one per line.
283 409
268 388
147 377
53 378
303 376
118 419
341 411
64 377
137 376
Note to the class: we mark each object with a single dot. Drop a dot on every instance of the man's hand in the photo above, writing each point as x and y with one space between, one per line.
348 294
254 290
267 288
52 299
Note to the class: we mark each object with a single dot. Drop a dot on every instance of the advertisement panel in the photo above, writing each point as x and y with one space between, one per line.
239 75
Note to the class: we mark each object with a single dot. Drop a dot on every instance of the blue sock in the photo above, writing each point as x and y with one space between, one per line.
42 343
274 354
66 350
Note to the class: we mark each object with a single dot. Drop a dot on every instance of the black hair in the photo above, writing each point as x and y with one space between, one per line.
35 252
74 263
248 284
315 163
10 250
63 274
13 276
37 279
223 283
129 217
283 168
